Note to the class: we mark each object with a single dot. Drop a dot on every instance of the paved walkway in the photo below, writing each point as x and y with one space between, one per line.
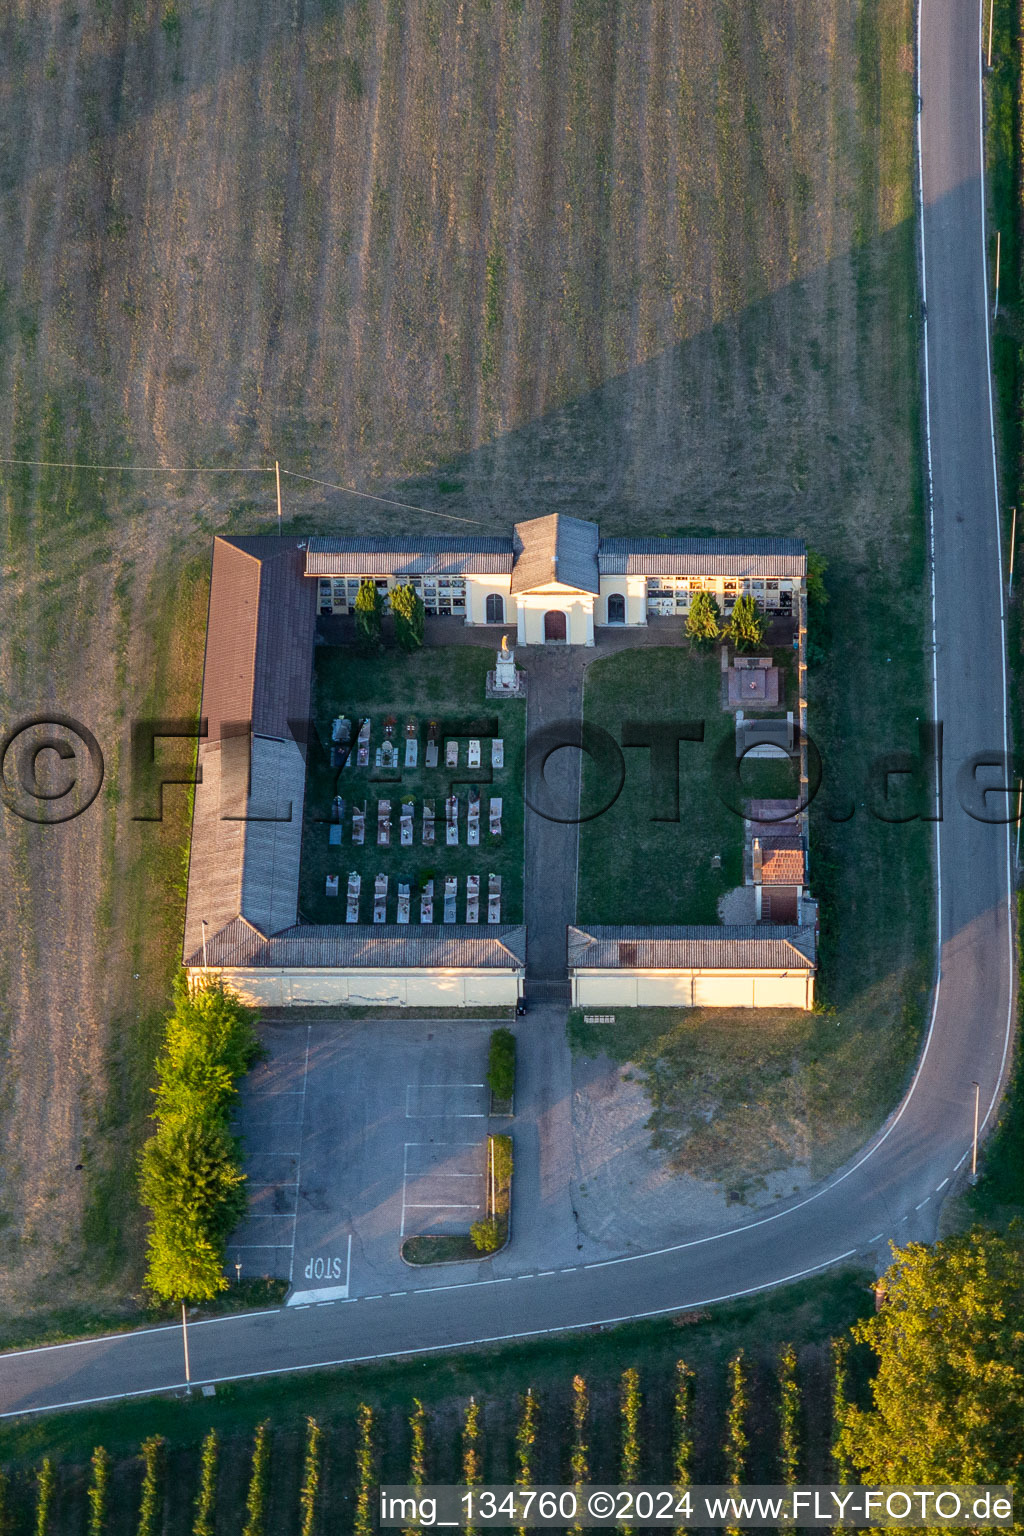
555 695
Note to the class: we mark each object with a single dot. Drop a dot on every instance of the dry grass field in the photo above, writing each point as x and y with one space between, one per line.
646 260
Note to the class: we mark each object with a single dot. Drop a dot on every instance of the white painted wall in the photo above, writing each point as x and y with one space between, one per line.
263 987
601 990
578 608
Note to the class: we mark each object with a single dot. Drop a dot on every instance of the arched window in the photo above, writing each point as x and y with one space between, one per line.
616 608
495 608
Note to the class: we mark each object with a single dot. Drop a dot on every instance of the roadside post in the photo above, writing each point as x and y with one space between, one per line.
184 1337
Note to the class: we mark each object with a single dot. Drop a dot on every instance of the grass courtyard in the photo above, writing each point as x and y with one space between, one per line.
437 682
633 868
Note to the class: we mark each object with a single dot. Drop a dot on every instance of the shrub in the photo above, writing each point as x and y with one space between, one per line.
417 1451
407 607
310 1478
207 1495
369 606
736 1440
149 1503
579 1460
526 1436
96 1494
629 1471
501 1064
841 1467
487 1235
471 1464
190 1174
501 1162
817 602
364 1523
44 1496
682 1462
789 1411
702 621
256 1499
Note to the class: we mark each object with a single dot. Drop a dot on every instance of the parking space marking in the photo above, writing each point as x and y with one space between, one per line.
436 1173
444 1112
447 1205
257 1246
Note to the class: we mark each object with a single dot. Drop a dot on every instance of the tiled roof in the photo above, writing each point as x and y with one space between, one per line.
366 947
258 669
782 861
762 947
702 557
259 637
556 548
408 557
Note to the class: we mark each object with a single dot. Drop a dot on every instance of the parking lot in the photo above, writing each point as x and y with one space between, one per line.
357 1134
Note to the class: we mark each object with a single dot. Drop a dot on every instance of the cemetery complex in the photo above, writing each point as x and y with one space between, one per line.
359 827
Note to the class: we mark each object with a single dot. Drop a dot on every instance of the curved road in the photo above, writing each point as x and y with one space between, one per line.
894 1187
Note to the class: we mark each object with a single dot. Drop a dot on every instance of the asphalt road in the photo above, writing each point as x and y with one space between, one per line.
894 1187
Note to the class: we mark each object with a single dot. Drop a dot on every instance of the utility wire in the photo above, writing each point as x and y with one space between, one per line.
151 469
265 469
385 500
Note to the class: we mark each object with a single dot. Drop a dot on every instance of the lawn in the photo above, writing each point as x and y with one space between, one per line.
737 1094
436 682
633 868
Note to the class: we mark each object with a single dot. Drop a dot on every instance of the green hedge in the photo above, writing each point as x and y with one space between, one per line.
501 1066
190 1173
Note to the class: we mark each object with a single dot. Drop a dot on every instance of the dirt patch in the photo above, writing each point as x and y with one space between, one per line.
628 1193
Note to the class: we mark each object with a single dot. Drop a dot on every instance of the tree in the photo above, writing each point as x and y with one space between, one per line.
746 626
817 592
948 1394
702 621
817 602
369 607
407 607
190 1171
209 1041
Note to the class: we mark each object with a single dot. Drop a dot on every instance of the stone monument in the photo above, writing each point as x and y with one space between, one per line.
506 681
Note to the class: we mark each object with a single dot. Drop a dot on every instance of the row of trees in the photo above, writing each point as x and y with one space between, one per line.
745 629
190 1170
407 610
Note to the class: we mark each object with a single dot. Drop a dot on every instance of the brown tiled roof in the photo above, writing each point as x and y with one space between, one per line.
405 556
556 548
259 636
366 947
702 557
782 861
737 948
258 667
